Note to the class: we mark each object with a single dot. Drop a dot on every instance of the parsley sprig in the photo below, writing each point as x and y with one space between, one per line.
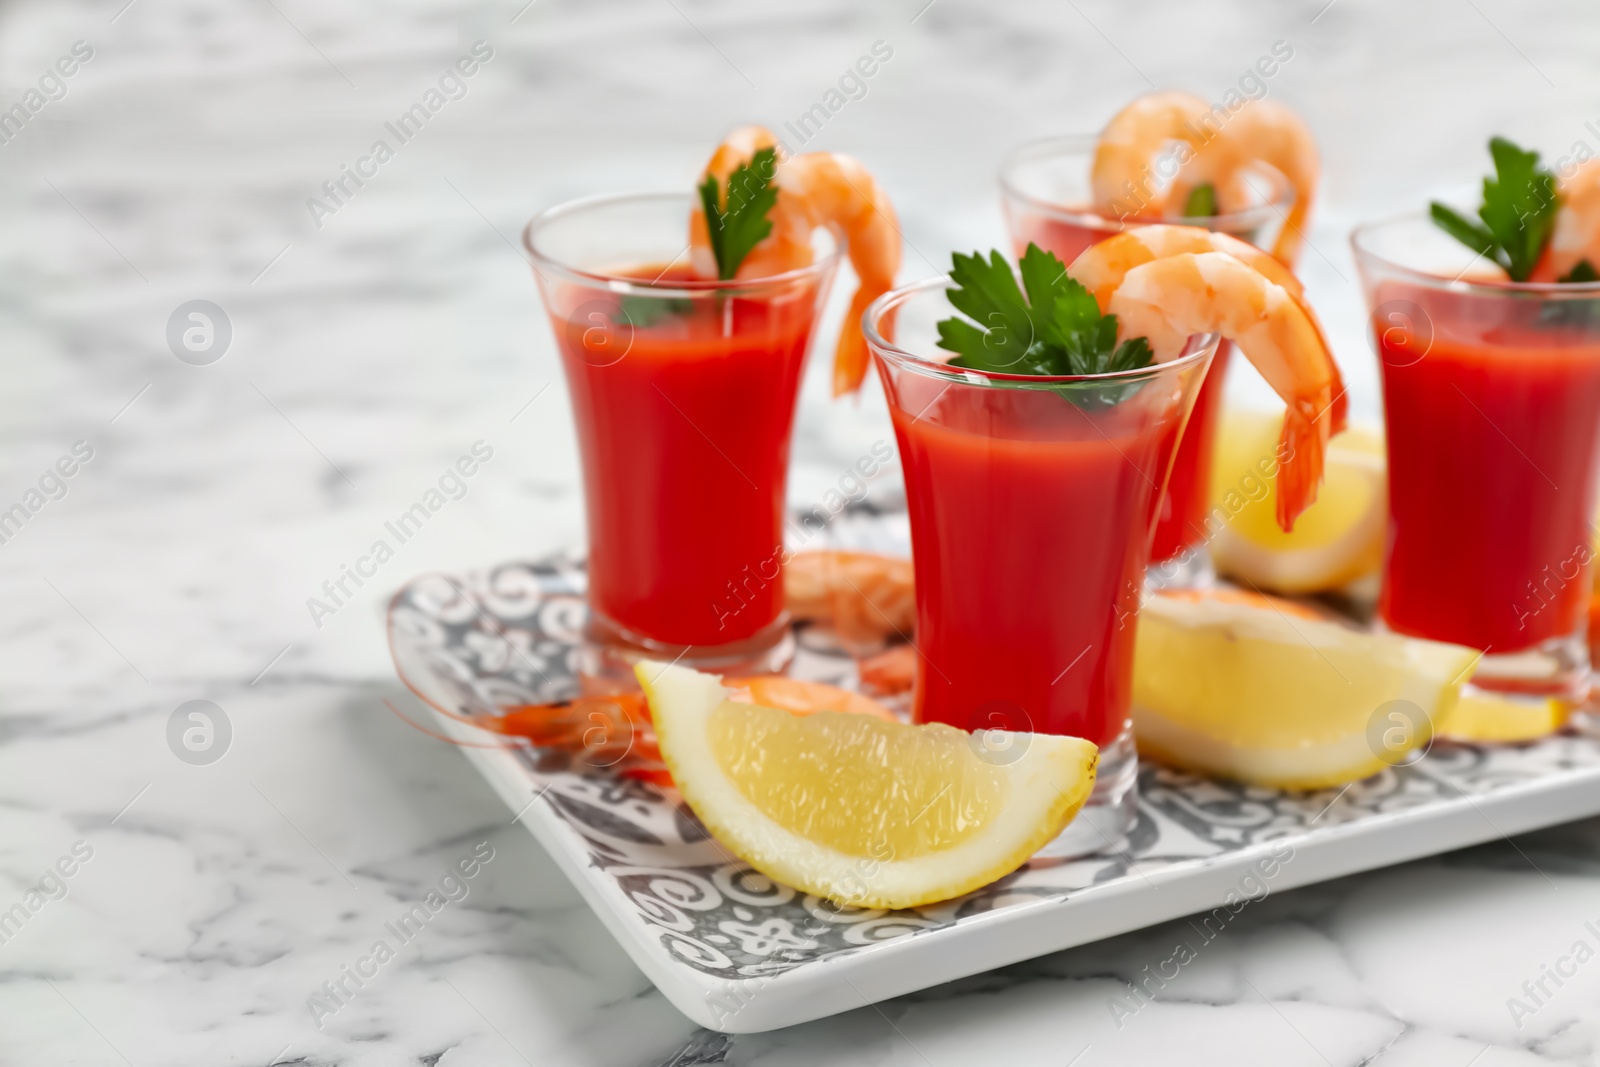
738 220
1517 216
641 311
1049 325
1201 202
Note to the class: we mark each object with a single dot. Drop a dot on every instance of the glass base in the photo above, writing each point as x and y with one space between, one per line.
1557 668
1104 822
608 652
1189 569
1585 719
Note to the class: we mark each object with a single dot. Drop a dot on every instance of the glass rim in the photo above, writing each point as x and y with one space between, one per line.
1360 239
934 368
1231 223
543 262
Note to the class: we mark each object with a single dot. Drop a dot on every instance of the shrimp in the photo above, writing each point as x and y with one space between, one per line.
779 253
1262 131
865 597
1102 275
815 189
1127 148
890 672
1221 148
804 698
1576 236
1174 294
614 731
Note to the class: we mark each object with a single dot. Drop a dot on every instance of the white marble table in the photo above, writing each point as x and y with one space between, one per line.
207 904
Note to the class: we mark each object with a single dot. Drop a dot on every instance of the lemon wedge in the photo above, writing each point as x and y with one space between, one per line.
1481 715
856 809
1335 541
1262 691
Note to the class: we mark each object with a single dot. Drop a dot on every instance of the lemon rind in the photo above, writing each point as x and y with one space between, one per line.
1332 748
1333 564
1049 784
1303 570
1490 719
1313 767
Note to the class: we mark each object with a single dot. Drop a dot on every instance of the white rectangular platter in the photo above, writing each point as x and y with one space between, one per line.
738 953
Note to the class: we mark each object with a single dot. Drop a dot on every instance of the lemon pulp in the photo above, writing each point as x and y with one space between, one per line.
1486 716
1255 693
857 809
1335 541
847 781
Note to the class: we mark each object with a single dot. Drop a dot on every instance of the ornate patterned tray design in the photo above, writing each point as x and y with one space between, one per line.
738 953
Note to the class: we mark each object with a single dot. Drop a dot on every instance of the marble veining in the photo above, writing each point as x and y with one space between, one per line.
370 352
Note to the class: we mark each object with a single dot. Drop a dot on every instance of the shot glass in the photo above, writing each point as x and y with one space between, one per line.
1046 196
683 396
1032 504
1491 394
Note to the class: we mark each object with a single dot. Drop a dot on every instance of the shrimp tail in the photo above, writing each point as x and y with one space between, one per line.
1178 294
1339 408
850 357
1301 448
1287 246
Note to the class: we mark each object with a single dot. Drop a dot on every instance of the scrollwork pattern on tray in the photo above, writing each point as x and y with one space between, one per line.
512 635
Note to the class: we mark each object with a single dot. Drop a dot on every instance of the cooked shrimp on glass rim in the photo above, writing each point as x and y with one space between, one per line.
1534 225
1103 272
812 190
1160 287
1218 154
1575 236
1137 299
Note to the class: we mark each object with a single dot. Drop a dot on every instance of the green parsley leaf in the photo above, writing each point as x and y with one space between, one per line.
641 311
986 291
1050 325
1065 315
1463 229
1041 273
738 221
1201 203
1583 271
1518 212
1581 314
1131 354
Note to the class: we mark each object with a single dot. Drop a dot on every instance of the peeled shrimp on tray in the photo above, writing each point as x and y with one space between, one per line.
614 731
